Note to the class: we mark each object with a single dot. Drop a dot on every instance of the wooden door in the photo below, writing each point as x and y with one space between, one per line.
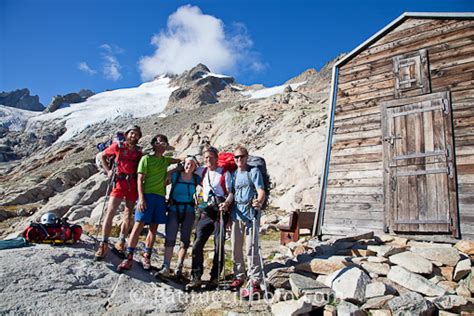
419 177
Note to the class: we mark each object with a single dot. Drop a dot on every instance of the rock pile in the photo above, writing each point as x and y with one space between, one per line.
373 275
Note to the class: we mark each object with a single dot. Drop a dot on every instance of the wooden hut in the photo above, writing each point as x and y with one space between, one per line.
400 141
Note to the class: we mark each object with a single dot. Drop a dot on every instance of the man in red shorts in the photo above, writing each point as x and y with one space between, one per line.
127 157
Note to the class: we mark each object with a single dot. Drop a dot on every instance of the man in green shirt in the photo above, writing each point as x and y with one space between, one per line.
151 207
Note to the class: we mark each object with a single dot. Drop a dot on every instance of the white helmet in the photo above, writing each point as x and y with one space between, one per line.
48 218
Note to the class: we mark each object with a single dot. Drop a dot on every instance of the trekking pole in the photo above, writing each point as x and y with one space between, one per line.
219 252
262 267
107 192
252 212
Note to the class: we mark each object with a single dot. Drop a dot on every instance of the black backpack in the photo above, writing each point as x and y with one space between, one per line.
259 162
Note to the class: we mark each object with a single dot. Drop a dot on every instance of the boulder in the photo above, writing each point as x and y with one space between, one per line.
386 250
377 268
320 266
79 213
465 246
359 260
463 289
412 262
400 289
437 278
449 301
398 241
282 295
301 284
414 282
378 259
463 267
292 307
279 278
410 304
447 256
348 309
380 312
447 272
299 250
449 286
350 283
269 219
4 214
375 289
446 313
471 281
377 302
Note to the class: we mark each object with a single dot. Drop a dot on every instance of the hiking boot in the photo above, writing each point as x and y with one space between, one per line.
214 282
101 252
126 264
252 290
120 246
179 272
146 261
195 284
165 271
236 284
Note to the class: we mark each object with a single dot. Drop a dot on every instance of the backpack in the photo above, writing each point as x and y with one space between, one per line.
118 138
227 162
60 232
259 162
174 180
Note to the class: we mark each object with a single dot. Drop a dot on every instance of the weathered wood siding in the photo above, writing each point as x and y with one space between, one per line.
355 193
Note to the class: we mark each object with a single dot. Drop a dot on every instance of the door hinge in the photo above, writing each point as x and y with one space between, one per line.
445 106
450 170
393 183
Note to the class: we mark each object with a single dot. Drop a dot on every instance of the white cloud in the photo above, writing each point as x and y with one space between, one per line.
111 66
192 37
83 66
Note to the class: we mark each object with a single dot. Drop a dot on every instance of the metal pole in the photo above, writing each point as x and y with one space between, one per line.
262 267
251 257
107 191
219 251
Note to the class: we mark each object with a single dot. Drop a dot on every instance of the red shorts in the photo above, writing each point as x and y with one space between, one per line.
125 189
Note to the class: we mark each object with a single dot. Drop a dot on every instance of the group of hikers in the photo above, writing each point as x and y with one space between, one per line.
228 198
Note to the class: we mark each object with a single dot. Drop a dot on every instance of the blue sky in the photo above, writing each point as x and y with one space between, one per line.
57 46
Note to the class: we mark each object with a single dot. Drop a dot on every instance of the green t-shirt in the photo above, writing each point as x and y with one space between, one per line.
155 170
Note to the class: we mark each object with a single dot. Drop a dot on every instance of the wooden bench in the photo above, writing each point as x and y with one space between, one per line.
298 220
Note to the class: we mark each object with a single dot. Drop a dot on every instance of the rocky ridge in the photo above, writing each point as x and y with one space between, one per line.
21 99
59 101
197 87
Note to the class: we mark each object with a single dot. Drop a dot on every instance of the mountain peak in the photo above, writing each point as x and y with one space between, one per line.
21 99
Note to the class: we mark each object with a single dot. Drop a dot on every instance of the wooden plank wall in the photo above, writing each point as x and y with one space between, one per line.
354 199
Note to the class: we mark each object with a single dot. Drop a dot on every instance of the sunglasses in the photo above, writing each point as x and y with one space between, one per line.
239 157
